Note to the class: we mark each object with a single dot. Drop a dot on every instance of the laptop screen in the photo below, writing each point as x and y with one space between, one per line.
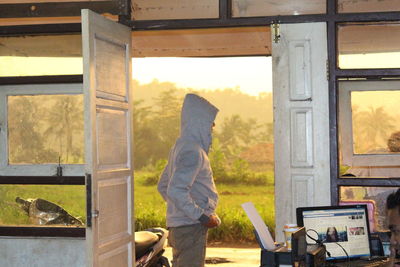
339 228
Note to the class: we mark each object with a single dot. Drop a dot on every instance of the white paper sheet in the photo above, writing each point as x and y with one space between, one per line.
262 230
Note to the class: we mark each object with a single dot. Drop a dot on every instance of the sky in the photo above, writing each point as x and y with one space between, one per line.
251 75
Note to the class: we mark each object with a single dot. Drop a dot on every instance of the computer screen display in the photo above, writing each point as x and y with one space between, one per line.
339 228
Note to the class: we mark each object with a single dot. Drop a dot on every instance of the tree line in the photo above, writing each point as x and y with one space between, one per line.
157 126
49 128
46 128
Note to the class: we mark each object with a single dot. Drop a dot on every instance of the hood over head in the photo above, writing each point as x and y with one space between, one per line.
197 118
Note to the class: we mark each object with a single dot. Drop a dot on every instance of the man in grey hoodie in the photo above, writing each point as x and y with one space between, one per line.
187 184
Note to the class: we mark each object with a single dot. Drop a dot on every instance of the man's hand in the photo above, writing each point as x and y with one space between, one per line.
214 221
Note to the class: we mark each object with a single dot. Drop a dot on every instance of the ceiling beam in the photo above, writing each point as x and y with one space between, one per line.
226 21
63 9
40 29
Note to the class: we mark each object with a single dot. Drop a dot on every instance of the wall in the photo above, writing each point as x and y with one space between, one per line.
42 252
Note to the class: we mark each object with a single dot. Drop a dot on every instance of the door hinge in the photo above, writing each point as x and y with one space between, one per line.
276 31
95 214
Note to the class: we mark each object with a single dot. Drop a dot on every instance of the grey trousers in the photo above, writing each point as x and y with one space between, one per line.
188 245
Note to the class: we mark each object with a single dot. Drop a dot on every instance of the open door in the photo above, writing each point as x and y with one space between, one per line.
108 141
301 120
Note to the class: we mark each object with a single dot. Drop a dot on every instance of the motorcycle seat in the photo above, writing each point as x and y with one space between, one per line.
143 241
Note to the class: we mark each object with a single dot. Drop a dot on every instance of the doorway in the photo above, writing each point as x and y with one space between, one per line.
242 151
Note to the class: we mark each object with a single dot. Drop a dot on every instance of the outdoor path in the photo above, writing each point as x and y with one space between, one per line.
237 257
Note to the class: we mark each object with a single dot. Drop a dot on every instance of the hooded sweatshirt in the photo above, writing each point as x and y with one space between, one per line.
187 183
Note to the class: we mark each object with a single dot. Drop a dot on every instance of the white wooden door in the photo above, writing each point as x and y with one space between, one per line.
301 120
108 140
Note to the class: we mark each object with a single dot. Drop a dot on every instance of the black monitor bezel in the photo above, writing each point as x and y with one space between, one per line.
300 222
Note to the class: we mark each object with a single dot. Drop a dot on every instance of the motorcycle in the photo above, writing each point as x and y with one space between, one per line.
149 248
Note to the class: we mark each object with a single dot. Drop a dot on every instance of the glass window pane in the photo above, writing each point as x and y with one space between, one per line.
42 205
254 8
45 129
372 196
376 118
368 6
182 9
40 55
369 46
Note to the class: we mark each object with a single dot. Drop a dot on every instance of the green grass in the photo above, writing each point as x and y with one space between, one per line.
150 210
71 198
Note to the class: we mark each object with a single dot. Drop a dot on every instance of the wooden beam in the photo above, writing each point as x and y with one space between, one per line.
61 9
255 41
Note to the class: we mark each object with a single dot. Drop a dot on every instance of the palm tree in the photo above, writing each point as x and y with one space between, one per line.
25 141
375 125
64 127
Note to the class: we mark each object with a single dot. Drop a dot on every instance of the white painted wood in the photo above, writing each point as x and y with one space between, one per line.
108 139
301 136
302 191
32 169
300 70
301 121
346 125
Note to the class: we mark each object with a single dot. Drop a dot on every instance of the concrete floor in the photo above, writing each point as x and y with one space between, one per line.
237 257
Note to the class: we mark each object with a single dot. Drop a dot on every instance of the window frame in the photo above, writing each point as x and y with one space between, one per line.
43 231
50 169
346 124
337 75
82 179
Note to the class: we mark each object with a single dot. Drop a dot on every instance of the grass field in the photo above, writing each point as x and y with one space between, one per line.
71 198
150 210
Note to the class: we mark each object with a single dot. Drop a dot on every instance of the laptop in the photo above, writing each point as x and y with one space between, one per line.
344 230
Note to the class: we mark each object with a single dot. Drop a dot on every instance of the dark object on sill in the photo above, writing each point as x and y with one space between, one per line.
59 172
217 260
44 212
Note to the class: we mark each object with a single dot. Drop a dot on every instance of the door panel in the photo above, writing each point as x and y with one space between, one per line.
117 257
110 55
301 120
112 138
114 194
108 139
